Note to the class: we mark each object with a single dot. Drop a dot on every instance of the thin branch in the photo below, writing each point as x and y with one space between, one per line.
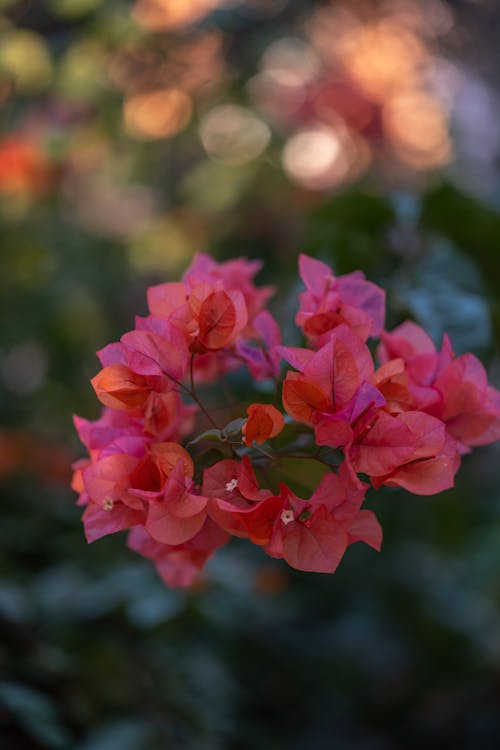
299 456
191 372
195 397
192 392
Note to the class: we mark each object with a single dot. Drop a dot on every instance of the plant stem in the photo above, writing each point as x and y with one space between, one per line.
191 392
195 397
314 457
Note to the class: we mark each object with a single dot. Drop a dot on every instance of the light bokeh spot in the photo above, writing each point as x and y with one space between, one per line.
233 135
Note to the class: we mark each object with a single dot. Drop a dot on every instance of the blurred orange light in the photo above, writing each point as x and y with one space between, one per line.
327 26
172 14
389 75
24 168
195 64
417 129
157 114
322 157
383 57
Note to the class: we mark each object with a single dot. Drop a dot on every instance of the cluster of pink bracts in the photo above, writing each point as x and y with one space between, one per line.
404 424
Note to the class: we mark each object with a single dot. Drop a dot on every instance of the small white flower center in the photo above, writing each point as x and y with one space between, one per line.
287 516
230 486
108 503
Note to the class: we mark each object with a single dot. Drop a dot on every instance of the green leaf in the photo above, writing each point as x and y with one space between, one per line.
233 428
212 434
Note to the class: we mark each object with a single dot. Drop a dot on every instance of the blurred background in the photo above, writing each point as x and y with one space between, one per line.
134 134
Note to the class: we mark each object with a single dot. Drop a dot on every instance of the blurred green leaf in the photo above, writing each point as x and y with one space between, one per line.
74 8
118 735
445 292
358 211
35 712
302 476
471 224
25 56
349 231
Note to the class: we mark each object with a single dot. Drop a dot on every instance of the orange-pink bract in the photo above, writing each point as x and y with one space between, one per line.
121 388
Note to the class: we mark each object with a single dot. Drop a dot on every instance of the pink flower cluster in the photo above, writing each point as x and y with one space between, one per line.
404 423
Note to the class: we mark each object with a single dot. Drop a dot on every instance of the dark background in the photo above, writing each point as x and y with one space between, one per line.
400 178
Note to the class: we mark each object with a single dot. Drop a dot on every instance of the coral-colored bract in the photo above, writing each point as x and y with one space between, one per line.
404 423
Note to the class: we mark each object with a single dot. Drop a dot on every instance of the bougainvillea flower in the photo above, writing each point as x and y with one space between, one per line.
383 446
112 424
312 535
177 515
156 352
117 386
160 482
167 417
392 382
233 480
330 378
316 544
425 476
255 522
261 354
235 275
423 363
303 397
107 479
410 450
221 315
264 422
236 501
77 484
167 455
152 354
179 565
218 307
309 534
101 521
108 508
341 366
164 299
470 407
403 425
213 304
134 476
340 428
209 317
412 344
454 390
329 301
